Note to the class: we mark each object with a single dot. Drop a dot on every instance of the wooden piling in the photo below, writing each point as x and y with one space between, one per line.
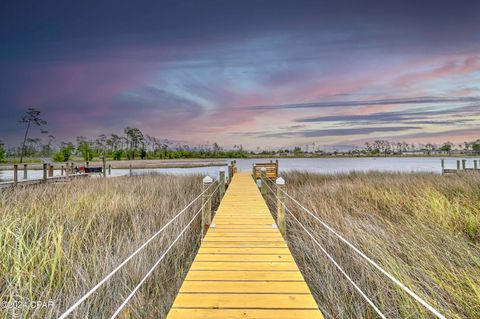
61 170
264 182
230 172
282 225
443 165
109 169
458 165
222 182
45 172
130 169
475 164
464 164
234 166
104 166
276 162
25 171
15 174
206 204
50 171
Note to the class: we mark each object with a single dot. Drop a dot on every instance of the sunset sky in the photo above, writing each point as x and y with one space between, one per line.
258 73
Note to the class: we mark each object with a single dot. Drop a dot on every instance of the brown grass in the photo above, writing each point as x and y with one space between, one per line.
58 240
422 228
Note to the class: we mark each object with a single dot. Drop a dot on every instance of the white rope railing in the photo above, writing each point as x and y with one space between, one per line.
109 275
360 291
370 302
358 251
124 303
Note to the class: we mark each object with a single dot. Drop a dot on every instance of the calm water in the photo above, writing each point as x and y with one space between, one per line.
318 165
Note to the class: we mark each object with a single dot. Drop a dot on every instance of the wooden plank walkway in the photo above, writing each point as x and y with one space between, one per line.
244 268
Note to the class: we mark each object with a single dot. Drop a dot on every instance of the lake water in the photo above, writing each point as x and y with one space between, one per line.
318 165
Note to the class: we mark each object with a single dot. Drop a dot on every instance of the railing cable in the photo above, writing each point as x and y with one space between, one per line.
360 291
339 267
109 275
124 303
373 263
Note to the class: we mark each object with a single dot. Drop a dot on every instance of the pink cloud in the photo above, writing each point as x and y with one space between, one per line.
449 68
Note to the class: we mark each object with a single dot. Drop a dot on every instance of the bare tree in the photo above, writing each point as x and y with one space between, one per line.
31 116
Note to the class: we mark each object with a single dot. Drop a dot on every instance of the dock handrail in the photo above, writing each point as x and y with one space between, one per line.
358 251
109 275
125 302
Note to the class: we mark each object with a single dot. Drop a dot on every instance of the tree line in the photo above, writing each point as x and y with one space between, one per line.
132 144
135 144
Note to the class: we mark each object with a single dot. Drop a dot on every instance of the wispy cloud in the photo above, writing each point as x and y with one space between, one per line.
328 132
392 101
419 116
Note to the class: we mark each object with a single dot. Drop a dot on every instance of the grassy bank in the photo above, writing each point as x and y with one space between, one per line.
422 228
58 241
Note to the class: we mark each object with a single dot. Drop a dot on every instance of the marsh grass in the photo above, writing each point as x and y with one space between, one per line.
422 228
58 240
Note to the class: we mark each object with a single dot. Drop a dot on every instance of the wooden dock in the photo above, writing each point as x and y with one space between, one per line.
29 182
244 268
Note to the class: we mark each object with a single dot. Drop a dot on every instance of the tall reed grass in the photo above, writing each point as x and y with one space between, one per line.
58 240
422 228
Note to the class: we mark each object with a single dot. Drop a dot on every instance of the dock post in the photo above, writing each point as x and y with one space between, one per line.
44 172
230 172
206 204
475 164
61 170
109 169
282 226
104 166
458 165
464 164
276 166
234 166
25 172
222 182
50 171
67 169
443 165
264 182
15 174
130 169
253 172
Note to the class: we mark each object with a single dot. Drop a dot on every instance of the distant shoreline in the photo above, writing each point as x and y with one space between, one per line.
124 164
201 162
